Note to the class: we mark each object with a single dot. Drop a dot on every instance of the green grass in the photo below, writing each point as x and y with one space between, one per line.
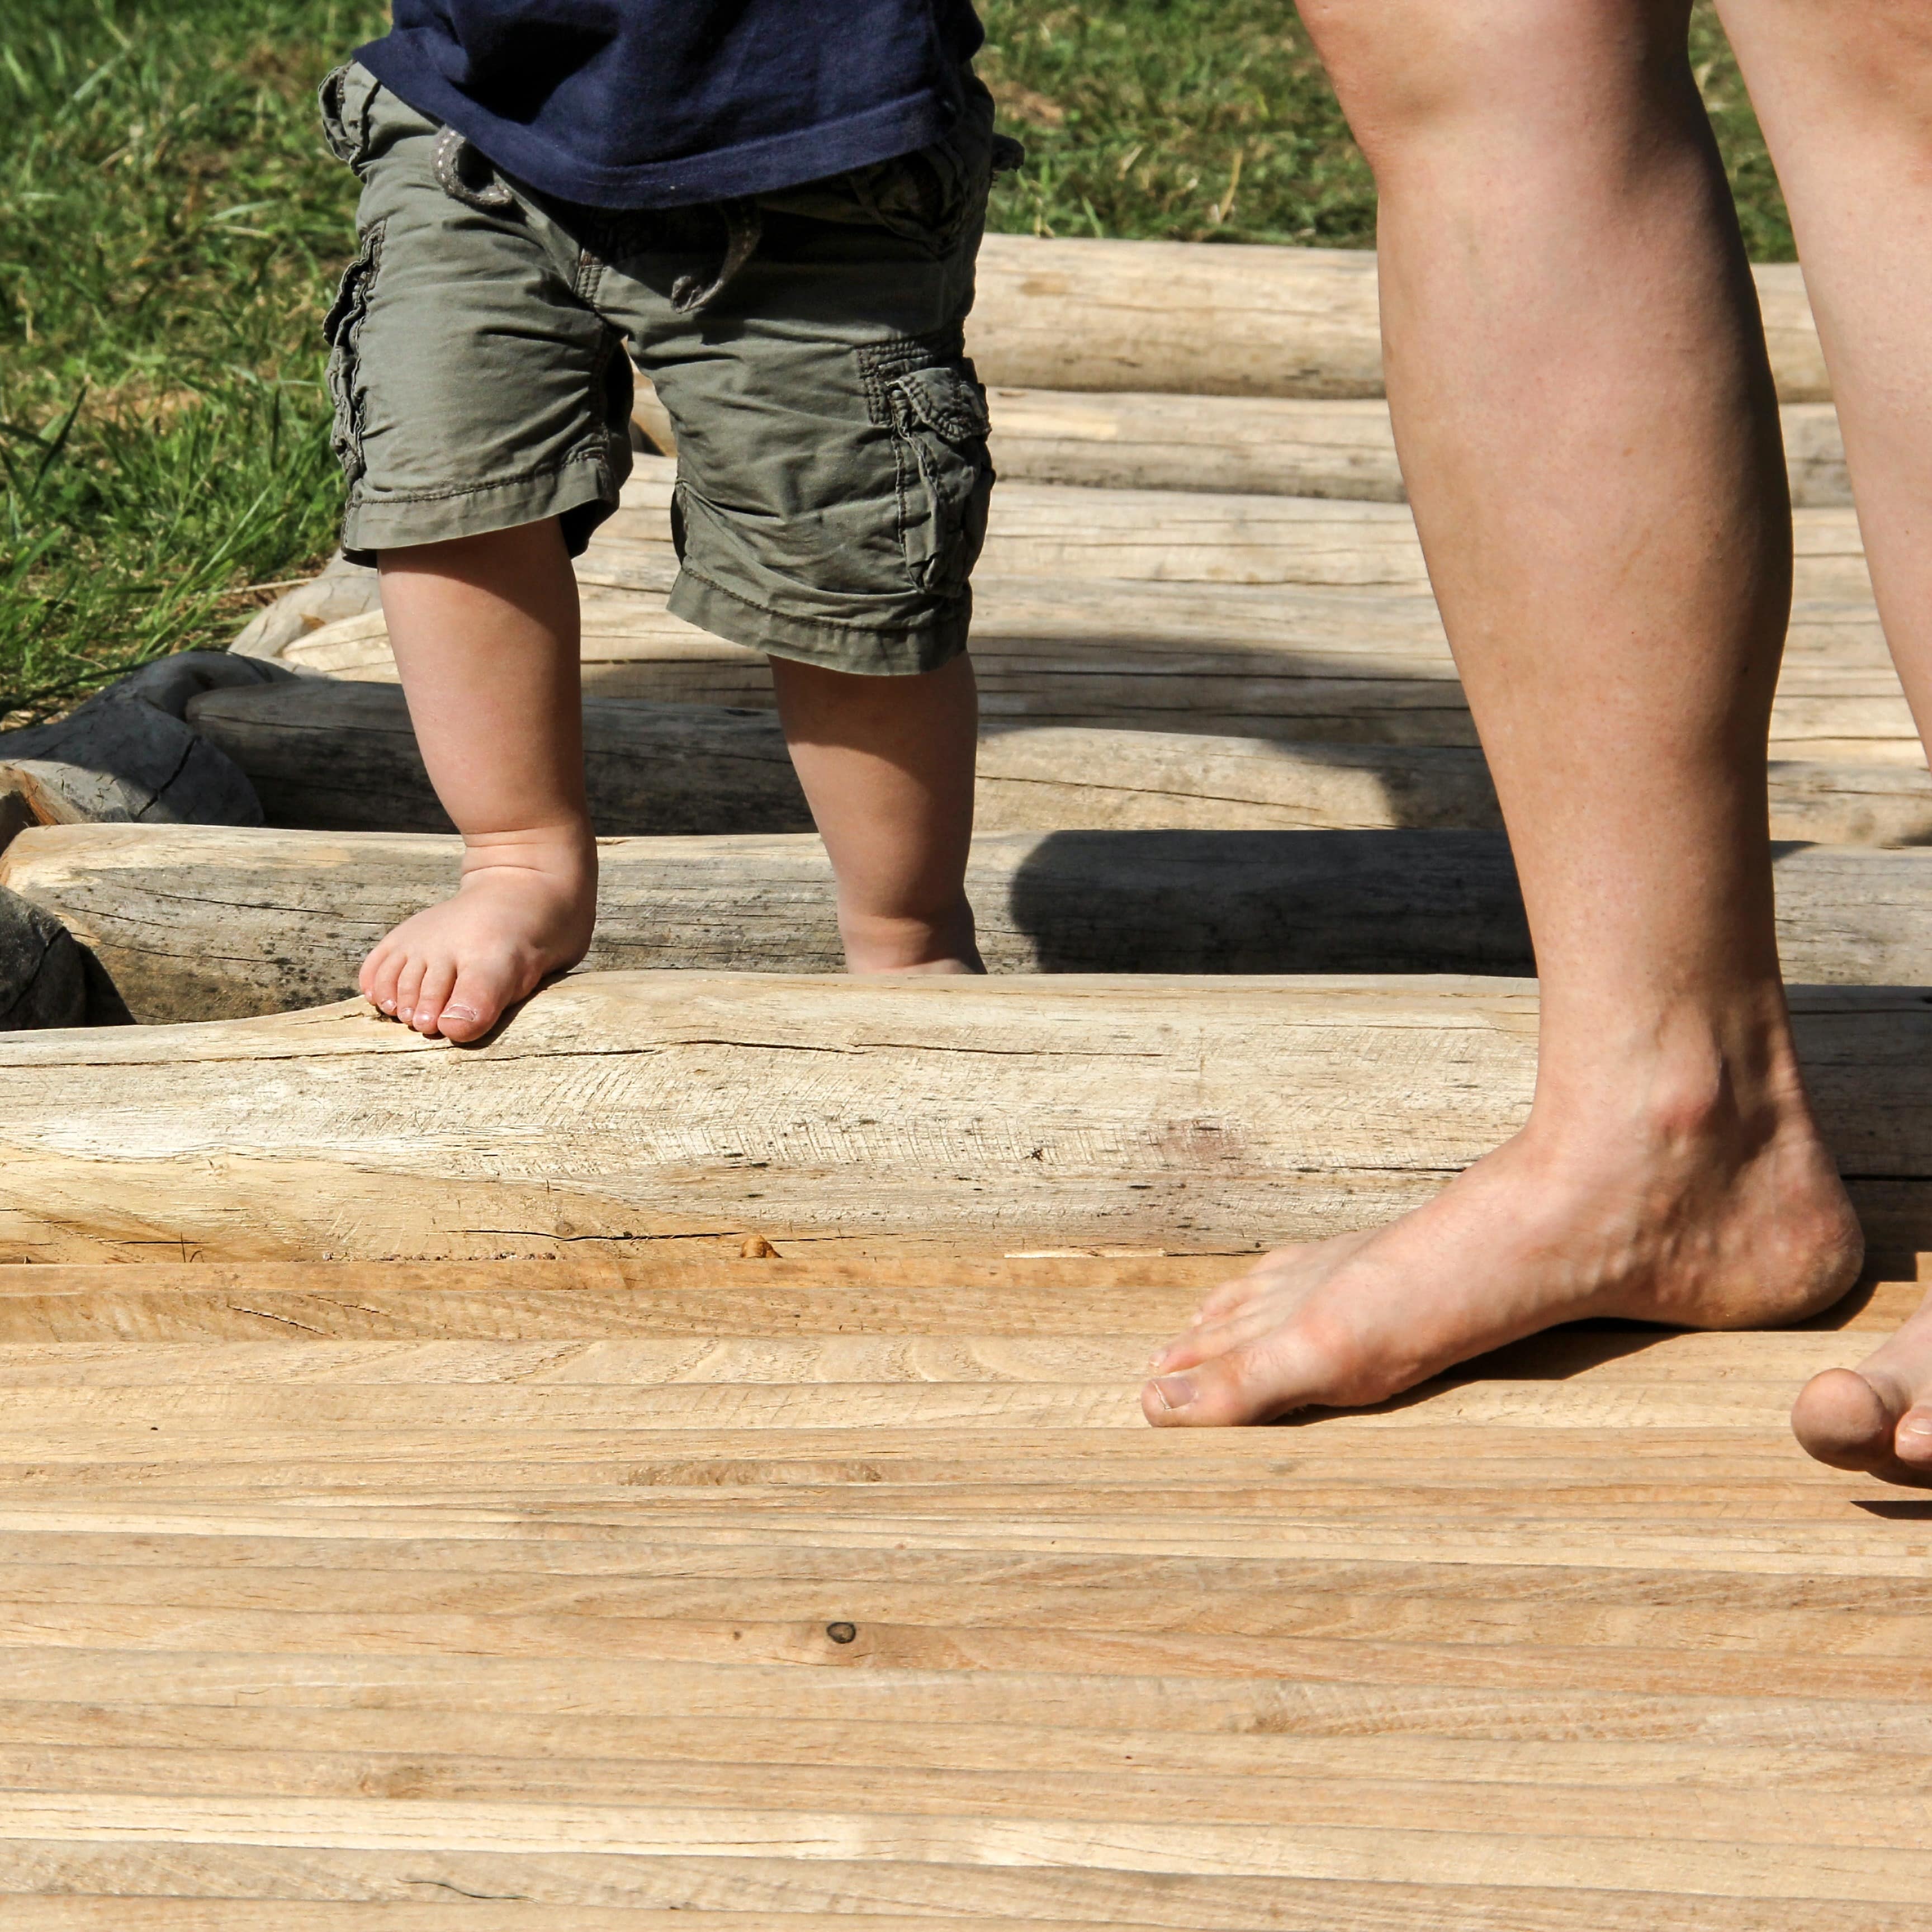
1211 120
170 227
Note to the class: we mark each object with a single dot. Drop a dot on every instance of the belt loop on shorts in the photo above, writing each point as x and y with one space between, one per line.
744 228
453 155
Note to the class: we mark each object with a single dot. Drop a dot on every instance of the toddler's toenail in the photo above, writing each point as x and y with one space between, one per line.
1177 1391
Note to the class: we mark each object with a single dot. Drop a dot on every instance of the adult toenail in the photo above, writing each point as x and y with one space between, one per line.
404 1012
1916 1426
1177 1391
388 1005
459 1012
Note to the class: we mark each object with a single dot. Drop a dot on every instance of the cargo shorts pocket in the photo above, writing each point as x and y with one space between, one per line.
342 331
344 101
939 423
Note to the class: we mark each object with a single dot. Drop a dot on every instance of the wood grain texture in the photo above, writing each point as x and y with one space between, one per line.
769 1608
1169 535
1277 446
1308 665
197 923
1009 1112
327 754
1240 321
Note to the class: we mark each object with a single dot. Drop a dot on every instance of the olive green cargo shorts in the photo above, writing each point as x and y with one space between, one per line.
832 474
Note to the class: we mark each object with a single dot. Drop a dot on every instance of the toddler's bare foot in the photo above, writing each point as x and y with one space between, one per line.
1877 1417
525 908
1699 1219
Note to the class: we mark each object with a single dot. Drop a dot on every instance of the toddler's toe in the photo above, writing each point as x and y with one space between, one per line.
377 979
439 977
409 983
477 1000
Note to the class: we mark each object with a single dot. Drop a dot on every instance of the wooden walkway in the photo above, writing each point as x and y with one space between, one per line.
774 1593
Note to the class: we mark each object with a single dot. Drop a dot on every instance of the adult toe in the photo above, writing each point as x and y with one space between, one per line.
1254 1383
1846 1419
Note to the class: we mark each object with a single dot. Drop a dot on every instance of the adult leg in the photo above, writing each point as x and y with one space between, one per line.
485 633
1587 426
887 765
1844 89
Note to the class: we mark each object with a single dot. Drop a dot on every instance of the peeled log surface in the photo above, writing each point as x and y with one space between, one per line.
1191 536
1316 666
329 755
1280 446
196 923
1236 320
193 925
335 755
1006 1113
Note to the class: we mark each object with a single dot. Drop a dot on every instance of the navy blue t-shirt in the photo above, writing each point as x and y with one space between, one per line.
649 104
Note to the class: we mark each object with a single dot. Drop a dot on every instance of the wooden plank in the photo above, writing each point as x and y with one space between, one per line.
1026 1112
1379 1851
769 1895
195 923
1879 1821
1279 446
1058 530
588 1737
1240 321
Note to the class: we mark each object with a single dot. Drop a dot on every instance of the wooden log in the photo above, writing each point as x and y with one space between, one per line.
328 754
1241 320
1016 1113
343 589
1279 446
195 924
1339 667
127 753
202 923
334 755
1054 530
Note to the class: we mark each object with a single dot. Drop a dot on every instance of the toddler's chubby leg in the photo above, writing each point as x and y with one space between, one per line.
886 763
485 634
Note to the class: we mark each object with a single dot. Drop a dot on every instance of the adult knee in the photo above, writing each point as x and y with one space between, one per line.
1870 61
1414 75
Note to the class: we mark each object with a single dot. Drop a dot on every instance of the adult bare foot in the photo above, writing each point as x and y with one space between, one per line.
1877 1417
1705 1222
525 908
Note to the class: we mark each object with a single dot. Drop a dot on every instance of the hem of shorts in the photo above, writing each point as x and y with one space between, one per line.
761 166
407 519
905 652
